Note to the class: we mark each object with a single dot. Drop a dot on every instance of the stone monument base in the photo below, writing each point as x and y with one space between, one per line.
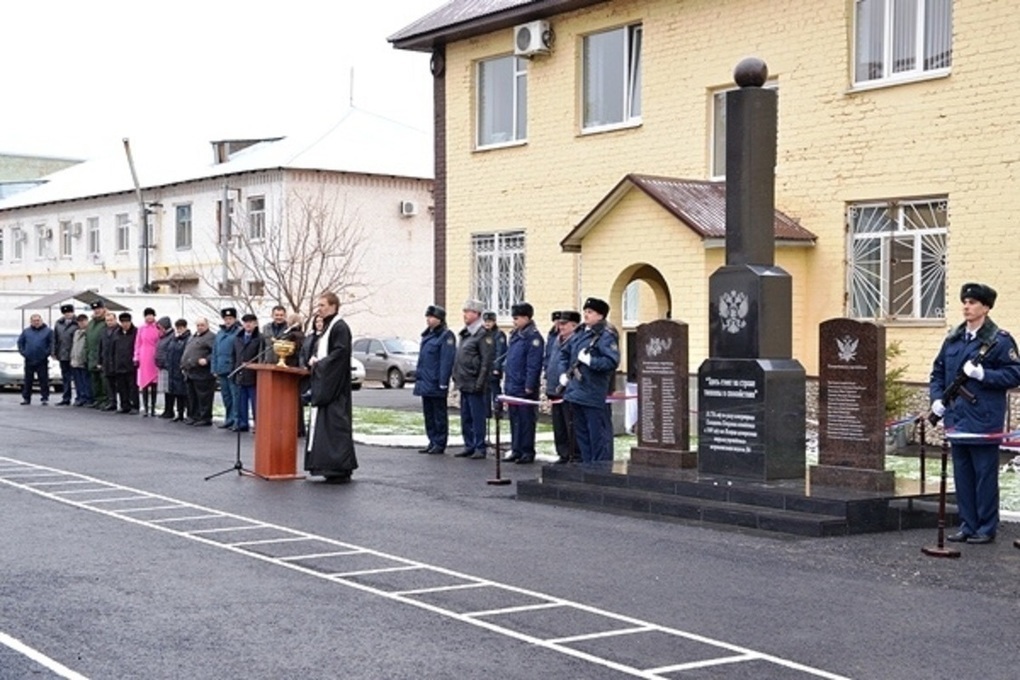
880 481
668 458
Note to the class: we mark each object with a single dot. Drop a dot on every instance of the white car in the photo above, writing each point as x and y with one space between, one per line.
357 374
12 365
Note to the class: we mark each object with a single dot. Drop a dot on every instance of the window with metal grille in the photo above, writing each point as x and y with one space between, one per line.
498 274
901 39
897 259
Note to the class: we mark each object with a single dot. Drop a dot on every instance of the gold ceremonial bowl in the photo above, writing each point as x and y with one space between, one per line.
283 349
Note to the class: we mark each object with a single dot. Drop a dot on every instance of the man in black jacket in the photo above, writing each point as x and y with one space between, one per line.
63 337
125 371
247 347
471 368
196 363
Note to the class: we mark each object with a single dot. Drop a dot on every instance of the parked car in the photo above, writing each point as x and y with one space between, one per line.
392 361
12 365
357 374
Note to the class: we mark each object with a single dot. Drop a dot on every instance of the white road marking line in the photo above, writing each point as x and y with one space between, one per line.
146 508
267 541
183 519
70 481
514 610
368 572
40 658
113 500
220 530
441 589
703 664
315 556
468 619
603 634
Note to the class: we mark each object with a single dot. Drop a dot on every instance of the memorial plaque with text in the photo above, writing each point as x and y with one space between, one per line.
851 394
662 378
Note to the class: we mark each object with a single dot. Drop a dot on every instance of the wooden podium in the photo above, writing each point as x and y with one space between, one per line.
276 414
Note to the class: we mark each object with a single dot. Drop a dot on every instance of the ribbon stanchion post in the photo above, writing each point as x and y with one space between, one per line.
497 415
940 549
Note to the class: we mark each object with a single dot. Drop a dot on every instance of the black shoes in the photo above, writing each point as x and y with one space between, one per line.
958 537
524 461
510 459
427 449
226 425
477 455
981 539
466 453
342 478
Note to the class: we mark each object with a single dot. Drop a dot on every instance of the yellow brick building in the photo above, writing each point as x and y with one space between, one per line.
897 149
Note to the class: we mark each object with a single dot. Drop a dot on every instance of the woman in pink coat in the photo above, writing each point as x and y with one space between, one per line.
145 359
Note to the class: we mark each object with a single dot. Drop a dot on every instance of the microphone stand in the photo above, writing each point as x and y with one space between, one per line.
241 469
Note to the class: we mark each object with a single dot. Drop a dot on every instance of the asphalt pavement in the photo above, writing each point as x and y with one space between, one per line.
120 561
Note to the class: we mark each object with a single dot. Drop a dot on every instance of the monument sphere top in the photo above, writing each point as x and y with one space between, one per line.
751 72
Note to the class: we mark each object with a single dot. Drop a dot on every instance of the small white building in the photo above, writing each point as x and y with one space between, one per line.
348 209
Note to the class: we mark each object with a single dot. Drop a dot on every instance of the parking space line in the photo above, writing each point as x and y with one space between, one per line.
268 541
602 634
40 658
728 653
220 530
315 556
441 589
151 507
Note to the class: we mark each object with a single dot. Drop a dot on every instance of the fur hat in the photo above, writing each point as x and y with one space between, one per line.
473 306
488 315
598 306
228 311
570 315
522 309
64 309
978 291
436 311
164 323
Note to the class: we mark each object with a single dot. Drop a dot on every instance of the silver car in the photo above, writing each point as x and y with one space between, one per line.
391 361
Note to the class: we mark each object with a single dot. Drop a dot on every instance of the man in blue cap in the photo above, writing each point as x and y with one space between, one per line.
985 358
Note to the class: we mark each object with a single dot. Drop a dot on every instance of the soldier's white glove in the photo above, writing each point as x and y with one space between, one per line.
938 408
564 379
584 356
976 371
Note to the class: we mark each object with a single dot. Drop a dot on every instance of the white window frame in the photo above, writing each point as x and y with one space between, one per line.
19 237
596 86
64 232
182 226
717 142
41 243
123 232
3 233
94 241
498 271
631 304
903 24
507 77
896 259
256 218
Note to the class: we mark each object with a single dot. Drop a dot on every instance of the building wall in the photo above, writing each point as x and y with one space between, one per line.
948 136
394 281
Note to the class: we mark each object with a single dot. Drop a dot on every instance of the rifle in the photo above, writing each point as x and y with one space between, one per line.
956 388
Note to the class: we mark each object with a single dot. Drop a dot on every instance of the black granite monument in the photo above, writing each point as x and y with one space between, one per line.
751 400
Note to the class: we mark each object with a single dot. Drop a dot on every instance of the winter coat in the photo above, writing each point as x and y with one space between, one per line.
473 360
94 334
35 344
223 350
523 368
146 341
246 350
78 354
589 384
987 413
176 384
124 349
63 338
435 362
200 346
106 363
161 349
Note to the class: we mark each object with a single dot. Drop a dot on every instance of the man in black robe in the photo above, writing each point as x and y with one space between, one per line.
329 449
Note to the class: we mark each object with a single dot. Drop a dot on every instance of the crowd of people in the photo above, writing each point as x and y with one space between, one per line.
496 373
110 364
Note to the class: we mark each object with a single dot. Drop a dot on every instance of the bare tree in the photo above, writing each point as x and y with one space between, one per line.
313 242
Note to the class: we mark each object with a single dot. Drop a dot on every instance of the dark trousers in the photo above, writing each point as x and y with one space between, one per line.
200 399
245 395
100 395
126 387
67 378
39 370
175 405
82 385
563 431
228 393
437 421
522 431
473 407
593 441
976 479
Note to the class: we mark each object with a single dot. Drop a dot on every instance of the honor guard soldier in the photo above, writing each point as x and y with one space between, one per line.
523 374
587 366
972 373
498 359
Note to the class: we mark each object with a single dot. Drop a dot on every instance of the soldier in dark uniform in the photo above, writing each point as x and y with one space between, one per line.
432 378
987 356
587 365
498 362
566 323
471 368
523 374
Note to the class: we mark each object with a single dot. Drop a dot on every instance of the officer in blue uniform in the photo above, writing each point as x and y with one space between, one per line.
987 356
522 376
498 358
587 366
432 381
566 323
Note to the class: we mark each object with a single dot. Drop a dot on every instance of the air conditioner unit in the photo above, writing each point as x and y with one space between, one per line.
76 230
408 208
534 37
